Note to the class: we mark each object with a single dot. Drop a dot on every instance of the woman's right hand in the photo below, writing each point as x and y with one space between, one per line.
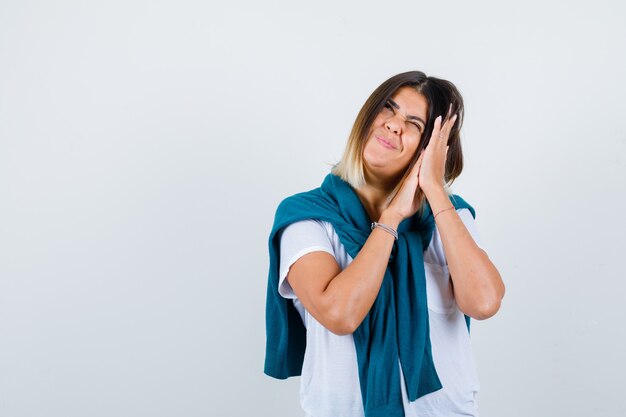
407 201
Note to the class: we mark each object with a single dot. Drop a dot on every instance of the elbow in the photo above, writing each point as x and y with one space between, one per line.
490 301
342 329
486 310
341 323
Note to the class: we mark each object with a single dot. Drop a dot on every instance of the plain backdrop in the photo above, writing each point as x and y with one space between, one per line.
144 147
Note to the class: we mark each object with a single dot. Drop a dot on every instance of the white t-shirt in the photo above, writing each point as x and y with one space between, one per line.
329 385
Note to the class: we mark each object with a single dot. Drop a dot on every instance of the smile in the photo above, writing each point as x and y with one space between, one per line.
384 142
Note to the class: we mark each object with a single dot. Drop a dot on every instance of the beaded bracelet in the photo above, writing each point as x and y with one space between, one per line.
386 228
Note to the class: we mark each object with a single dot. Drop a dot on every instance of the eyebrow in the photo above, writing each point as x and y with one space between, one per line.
409 116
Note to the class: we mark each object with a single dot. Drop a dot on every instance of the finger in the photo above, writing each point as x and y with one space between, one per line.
450 122
447 128
418 164
410 171
447 118
436 130
415 168
447 125
442 137
437 127
420 159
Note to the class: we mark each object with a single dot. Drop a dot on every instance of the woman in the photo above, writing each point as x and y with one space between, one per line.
374 275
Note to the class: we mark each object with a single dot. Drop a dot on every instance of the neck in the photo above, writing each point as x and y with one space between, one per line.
373 195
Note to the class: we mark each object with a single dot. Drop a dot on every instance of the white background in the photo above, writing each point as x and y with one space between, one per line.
144 146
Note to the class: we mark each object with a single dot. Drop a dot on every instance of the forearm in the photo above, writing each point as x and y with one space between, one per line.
352 292
478 287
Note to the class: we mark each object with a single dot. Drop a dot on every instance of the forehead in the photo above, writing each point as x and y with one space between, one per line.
411 102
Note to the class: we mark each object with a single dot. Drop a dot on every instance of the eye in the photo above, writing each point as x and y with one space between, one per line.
418 126
388 106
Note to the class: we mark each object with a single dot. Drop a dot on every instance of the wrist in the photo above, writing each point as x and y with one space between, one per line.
432 191
390 218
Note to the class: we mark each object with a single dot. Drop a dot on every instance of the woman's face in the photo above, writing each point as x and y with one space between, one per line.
395 135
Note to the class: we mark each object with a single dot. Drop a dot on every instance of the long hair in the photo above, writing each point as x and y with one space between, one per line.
439 94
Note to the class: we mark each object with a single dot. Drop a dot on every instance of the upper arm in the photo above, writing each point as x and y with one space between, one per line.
309 277
308 265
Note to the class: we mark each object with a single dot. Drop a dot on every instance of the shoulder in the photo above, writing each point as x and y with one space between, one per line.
304 226
309 198
306 231
298 239
306 205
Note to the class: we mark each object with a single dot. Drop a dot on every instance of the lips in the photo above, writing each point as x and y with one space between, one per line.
385 142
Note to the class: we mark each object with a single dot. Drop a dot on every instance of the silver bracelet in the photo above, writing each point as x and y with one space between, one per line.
386 228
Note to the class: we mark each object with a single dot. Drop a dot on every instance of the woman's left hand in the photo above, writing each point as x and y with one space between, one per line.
432 170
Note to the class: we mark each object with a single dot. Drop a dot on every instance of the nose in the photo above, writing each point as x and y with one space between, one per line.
393 125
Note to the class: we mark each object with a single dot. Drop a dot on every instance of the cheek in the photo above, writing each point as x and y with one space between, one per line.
378 124
367 149
412 144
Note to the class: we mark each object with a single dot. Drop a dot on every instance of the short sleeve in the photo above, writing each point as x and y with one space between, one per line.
470 224
297 240
435 253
